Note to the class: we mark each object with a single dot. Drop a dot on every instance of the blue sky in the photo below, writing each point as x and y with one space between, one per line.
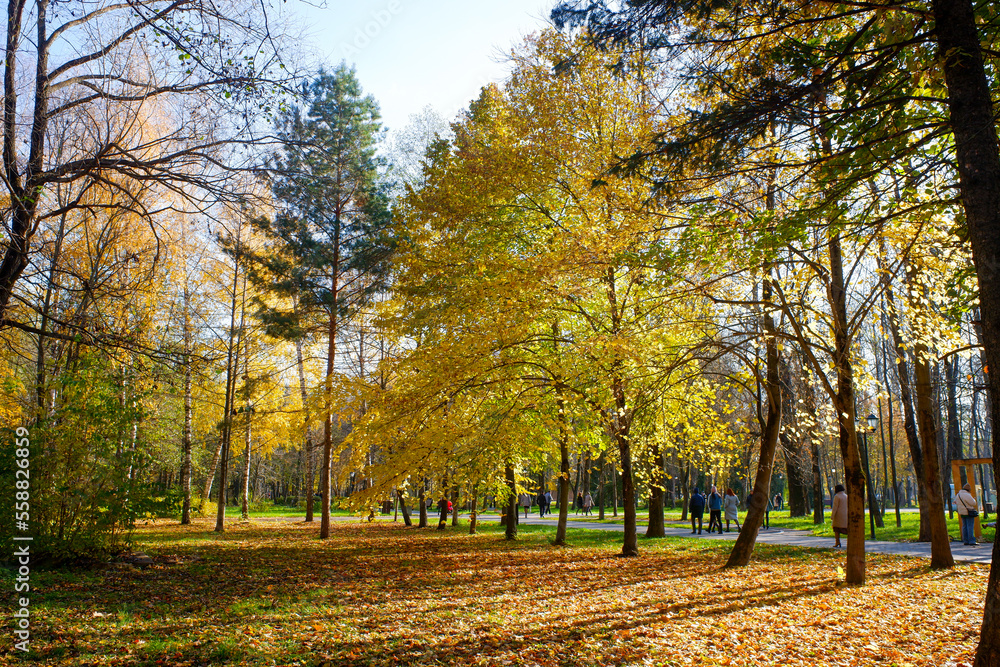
414 53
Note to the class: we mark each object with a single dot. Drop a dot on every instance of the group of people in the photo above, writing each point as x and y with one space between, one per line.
727 506
584 503
544 501
717 504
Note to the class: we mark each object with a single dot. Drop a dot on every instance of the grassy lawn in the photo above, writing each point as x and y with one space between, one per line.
271 593
905 533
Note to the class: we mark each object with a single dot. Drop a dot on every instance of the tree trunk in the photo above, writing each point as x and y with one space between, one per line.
186 431
331 356
809 398
655 527
941 556
310 463
909 419
747 538
511 528
564 471
685 491
232 363
604 467
401 496
422 497
473 518
844 402
614 489
792 444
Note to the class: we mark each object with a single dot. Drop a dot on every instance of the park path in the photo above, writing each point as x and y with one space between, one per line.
796 538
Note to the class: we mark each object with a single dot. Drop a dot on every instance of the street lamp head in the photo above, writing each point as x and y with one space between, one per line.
872 422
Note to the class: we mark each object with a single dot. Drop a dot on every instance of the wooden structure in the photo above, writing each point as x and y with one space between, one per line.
970 475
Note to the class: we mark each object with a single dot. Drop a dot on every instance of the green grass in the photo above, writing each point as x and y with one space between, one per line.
907 532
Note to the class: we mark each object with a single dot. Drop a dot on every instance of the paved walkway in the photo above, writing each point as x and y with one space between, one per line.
983 553
798 538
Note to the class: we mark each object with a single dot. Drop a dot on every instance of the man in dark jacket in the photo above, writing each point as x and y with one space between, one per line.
715 510
697 508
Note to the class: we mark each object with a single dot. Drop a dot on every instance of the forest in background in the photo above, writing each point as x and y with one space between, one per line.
681 244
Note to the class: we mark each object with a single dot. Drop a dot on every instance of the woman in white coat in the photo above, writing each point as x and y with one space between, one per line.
968 510
732 507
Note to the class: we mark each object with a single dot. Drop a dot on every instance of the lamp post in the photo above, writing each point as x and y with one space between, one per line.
872 423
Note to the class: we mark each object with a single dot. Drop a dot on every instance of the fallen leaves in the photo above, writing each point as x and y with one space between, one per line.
378 594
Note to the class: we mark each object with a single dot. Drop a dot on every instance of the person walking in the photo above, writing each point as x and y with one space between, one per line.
579 501
766 523
588 503
541 505
548 502
697 508
779 501
732 507
968 510
714 510
525 503
838 512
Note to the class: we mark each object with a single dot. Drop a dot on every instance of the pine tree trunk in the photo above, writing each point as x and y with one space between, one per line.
310 463
331 357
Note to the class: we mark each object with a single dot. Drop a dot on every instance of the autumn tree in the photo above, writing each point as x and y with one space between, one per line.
102 71
326 245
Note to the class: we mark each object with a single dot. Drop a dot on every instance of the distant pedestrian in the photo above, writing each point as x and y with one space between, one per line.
541 505
548 502
714 510
697 509
968 510
779 502
525 503
766 523
588 503
579 501
732 509
838 511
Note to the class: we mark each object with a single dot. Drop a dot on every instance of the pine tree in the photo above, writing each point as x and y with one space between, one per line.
327 242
